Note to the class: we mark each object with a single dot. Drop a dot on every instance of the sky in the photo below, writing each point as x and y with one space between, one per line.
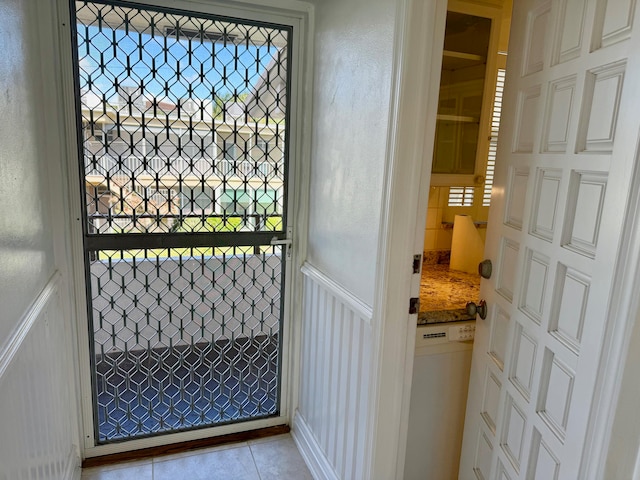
182 68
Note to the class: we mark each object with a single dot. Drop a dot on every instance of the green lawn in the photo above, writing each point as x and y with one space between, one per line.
194 225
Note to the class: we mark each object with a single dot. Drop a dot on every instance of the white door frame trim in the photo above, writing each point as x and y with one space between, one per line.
294 13
418 43
405 199
621 317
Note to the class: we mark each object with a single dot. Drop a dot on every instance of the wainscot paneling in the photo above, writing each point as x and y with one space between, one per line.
38 438
330 425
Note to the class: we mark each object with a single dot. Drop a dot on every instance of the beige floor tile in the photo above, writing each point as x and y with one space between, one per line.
123 471
279 459
225 464
273 438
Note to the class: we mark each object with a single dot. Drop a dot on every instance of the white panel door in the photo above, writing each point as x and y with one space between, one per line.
568 143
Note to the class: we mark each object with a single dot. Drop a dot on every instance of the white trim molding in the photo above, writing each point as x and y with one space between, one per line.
38 437
73 469
418 45
358 306
623 313
335 379
310 450
294 13
11 347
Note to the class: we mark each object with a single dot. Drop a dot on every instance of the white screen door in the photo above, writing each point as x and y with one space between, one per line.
567 146
183 167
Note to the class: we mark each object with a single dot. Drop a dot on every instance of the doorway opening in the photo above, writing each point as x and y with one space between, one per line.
468 119
183 134
464 155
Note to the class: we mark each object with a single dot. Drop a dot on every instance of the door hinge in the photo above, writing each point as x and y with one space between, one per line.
414 305
417 259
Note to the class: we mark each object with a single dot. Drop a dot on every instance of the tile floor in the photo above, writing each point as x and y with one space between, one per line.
265 459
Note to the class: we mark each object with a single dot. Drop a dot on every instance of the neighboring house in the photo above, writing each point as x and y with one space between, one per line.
268 97
224 167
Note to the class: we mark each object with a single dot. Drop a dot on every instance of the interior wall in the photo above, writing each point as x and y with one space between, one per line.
26 239
623 458
39 436
438 237
352 82
353 62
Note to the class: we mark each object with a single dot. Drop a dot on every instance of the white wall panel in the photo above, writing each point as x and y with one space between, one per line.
38 421
331 422
38 440
353 61
26 244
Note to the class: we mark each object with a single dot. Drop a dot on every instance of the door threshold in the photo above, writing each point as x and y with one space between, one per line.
181 447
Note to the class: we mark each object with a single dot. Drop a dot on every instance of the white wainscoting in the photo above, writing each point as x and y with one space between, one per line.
330 424
38 437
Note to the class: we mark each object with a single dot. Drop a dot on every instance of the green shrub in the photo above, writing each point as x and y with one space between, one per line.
274 223
228 224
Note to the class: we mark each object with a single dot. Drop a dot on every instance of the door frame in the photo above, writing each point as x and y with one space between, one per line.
405 201
296 14
418 43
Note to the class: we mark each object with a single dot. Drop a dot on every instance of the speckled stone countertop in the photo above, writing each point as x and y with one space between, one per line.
443 316
444 294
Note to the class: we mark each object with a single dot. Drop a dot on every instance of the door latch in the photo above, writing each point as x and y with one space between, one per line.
416 263
414 305
285 242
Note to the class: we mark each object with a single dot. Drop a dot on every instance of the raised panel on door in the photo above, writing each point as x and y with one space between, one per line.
568 141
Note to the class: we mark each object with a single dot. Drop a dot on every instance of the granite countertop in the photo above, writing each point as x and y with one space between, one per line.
444 294
443 316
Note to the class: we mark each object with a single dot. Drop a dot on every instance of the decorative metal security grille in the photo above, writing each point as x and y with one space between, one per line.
183 119
184 159
184 338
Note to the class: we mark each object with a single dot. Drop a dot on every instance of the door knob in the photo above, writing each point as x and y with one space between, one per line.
485 268
480 309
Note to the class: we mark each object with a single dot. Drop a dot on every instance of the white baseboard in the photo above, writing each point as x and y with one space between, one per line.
311 452
72 470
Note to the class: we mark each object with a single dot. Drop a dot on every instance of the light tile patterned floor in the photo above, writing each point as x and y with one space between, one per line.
265 459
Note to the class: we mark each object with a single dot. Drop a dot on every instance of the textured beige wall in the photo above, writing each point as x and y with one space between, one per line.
351 101
26 238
